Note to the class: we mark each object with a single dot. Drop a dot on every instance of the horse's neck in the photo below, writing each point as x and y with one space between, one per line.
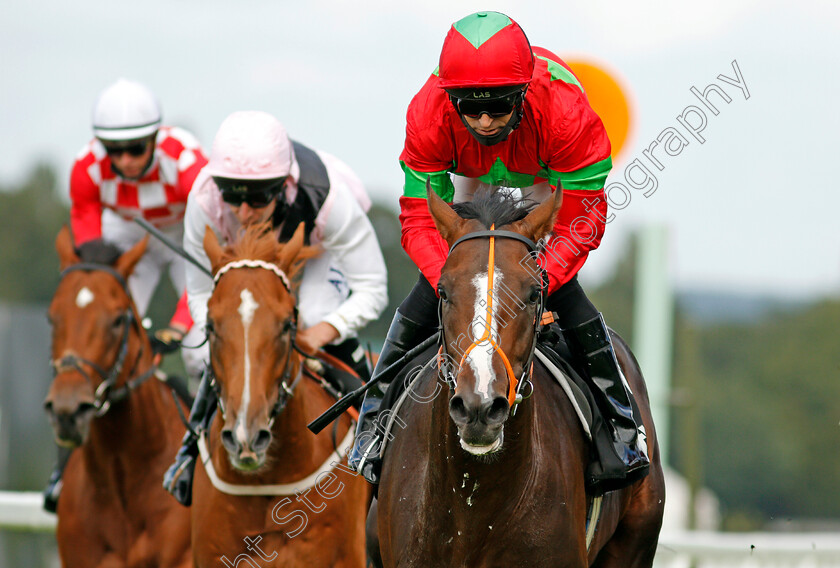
290 433
133 429
492 482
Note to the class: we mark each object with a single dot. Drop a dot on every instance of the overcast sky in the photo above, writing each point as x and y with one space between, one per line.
751 209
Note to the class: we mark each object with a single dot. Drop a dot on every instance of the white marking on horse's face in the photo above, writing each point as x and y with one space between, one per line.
246 310
84 297
480 357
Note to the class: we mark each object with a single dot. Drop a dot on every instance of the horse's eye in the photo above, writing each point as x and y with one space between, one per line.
442 293
119 321
534 296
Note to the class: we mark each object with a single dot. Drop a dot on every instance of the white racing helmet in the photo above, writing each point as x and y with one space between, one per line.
126 110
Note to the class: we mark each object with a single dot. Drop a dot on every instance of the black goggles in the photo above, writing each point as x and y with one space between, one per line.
134 148
256 193
495 107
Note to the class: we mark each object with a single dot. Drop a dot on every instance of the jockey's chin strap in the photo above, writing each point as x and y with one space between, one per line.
514 384
286 389
105 394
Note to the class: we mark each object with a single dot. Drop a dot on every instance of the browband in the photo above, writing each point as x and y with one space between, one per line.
498 234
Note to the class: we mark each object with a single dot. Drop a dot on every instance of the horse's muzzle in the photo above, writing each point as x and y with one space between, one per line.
248 456
479 421
71 425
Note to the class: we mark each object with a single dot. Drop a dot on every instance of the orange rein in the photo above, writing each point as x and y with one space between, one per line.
513 381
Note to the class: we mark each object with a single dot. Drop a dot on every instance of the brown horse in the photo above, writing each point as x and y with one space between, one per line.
466 481
269 492
106 401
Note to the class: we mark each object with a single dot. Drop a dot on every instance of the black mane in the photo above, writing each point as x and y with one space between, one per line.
99 251
495 206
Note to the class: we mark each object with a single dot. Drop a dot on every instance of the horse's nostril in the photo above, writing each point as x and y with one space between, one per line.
498 410
84 408
228 441
458 410
261 441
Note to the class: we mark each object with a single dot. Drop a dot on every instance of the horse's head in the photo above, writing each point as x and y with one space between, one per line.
251 323
92 317
491 292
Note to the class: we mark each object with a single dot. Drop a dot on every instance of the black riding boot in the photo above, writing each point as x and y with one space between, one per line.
54 484
179 477
365 456
627 461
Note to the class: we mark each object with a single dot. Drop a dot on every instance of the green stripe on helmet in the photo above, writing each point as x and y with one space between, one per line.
558 72
481 26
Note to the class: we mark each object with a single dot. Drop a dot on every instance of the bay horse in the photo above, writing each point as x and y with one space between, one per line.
469 481
268 492
106 401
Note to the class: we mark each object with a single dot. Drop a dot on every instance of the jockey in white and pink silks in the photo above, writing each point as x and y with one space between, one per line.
257 174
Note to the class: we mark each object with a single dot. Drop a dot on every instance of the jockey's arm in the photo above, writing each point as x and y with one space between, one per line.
420 237
347 234
85 203
199 285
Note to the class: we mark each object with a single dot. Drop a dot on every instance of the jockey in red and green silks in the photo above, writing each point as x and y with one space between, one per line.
556 138
501 113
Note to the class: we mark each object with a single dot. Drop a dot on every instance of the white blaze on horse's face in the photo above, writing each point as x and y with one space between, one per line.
480 357
84 297
246 310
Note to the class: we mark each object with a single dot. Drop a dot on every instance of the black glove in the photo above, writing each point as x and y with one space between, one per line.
166 340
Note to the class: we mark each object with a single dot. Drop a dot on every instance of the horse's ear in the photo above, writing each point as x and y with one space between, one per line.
292 247
213 249
65 248
126 262
539 222
449 224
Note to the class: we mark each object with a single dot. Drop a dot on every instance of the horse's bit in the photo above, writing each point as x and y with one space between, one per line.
515 384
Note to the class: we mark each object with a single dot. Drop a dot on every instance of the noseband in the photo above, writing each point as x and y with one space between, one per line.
105 394
286 390
515 384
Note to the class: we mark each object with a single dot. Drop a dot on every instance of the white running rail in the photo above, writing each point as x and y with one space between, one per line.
677 549
22 511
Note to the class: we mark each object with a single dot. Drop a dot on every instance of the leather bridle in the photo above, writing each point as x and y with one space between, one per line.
105 393
515 384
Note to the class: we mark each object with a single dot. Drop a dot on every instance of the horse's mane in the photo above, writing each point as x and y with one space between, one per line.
99 251
258 242
494 206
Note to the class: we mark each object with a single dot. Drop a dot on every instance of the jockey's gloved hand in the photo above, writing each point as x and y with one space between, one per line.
166 340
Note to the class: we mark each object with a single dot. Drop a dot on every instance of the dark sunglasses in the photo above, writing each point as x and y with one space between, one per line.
256 193
495 108
135 149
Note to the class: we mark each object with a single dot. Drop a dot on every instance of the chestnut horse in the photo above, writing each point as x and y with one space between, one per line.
268 491
106 400
467 481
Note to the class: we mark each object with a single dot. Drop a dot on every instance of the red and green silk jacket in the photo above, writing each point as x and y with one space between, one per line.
560 138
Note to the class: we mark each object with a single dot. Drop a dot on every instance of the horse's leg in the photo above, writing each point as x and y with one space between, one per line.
374 557
633 544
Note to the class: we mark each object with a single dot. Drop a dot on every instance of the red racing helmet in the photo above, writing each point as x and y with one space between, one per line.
485 49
